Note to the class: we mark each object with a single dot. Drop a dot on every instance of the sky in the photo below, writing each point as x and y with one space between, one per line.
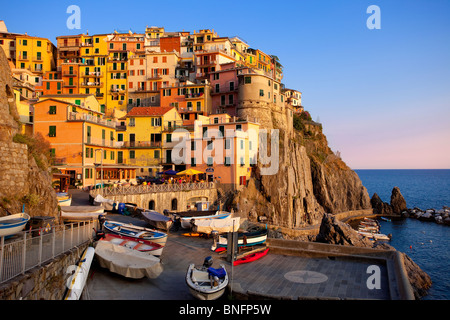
382 95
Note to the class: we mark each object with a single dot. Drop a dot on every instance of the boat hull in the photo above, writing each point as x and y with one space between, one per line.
200 286
81 213
13 224
244 239
251 257
78 280
157 220
133 231
186 221
135 244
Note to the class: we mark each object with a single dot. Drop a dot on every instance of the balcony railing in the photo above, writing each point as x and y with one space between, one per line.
74 116
91 74
143 144
92 84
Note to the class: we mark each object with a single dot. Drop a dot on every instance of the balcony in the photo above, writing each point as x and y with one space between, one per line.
91 84
70 74
91 74
143 144
74 116
38 59
192 96
69 85
111 69
172 128
117 91
153 77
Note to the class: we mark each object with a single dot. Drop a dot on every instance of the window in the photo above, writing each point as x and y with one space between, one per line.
217 87
39 43
230 99
242 162
169 137
193 145
199 106
248 80
210 162
25 42
227 144
174 204
239 127
97 40
231 86
210 145
132 154
164 59
48 85
156 155
250 145
261 93
52 131
112 155
227 161
242 144
193 162
52 110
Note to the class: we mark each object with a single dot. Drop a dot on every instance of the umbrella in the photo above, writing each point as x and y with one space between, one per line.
189 172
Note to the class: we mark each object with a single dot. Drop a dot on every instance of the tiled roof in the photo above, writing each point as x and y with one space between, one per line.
148 111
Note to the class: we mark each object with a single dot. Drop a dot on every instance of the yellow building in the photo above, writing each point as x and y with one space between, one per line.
25 114
149 137
35 54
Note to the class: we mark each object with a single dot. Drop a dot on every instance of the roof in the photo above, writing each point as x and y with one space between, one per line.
148 111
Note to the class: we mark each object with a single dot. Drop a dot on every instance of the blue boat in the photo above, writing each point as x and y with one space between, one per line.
13 224
131 230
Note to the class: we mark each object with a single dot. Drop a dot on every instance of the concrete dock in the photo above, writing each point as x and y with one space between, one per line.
291 270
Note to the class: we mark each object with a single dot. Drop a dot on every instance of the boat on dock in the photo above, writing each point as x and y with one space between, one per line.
127 262
252 256
205 282
245 239
135 244
10 225
64 199
157 220
131 230
81 213
207 226
187 222
78 279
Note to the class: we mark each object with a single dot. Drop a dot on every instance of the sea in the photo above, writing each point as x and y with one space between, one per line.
426 243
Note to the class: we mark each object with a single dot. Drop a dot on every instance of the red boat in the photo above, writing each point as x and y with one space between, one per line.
251 257
135 244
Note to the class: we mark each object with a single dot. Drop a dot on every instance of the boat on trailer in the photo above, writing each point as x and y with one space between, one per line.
205 282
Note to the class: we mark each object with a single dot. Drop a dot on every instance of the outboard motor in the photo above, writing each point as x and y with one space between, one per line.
208 262
99 234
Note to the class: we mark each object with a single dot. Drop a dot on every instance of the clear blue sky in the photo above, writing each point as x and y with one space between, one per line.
383 96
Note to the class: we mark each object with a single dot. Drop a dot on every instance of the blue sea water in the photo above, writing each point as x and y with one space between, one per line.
426 243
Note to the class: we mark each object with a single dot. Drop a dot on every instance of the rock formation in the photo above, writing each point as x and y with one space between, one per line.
397 205
311 179
23 181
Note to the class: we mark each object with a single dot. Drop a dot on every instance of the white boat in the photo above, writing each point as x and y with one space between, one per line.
224 225
374 236
127 262
207 283
186 221
107 204
65 201
10 225
81 213
78 279
131 230
245 239
135 244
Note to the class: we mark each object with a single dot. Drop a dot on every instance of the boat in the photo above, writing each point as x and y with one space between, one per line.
78 279
107 204
157 220
127 262
131 230
207 226
135 244
64 201
205 282
81 213
385 219
250 257
186 222
245 239
12 224
374 236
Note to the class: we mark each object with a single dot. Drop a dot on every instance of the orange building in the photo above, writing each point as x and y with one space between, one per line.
81 138
52 84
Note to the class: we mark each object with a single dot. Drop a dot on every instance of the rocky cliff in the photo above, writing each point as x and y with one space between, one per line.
24 176
311 180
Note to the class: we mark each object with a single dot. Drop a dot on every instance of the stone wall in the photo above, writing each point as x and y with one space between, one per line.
43 283
163 200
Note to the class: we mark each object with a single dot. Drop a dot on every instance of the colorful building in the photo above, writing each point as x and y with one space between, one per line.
35 54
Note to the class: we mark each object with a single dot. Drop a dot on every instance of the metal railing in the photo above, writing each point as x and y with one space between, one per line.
141 189
26 252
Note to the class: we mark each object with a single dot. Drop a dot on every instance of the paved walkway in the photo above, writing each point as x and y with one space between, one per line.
273 276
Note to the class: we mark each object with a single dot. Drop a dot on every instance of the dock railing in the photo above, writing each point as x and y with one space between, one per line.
33 248
154 188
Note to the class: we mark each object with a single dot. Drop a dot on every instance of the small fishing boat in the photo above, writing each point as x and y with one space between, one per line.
78 279
374 236
245 239
135 244
251 257
10 225
385 219
205 282
157 220
207 226
127 262
81 213
186 222
64 201
134 231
